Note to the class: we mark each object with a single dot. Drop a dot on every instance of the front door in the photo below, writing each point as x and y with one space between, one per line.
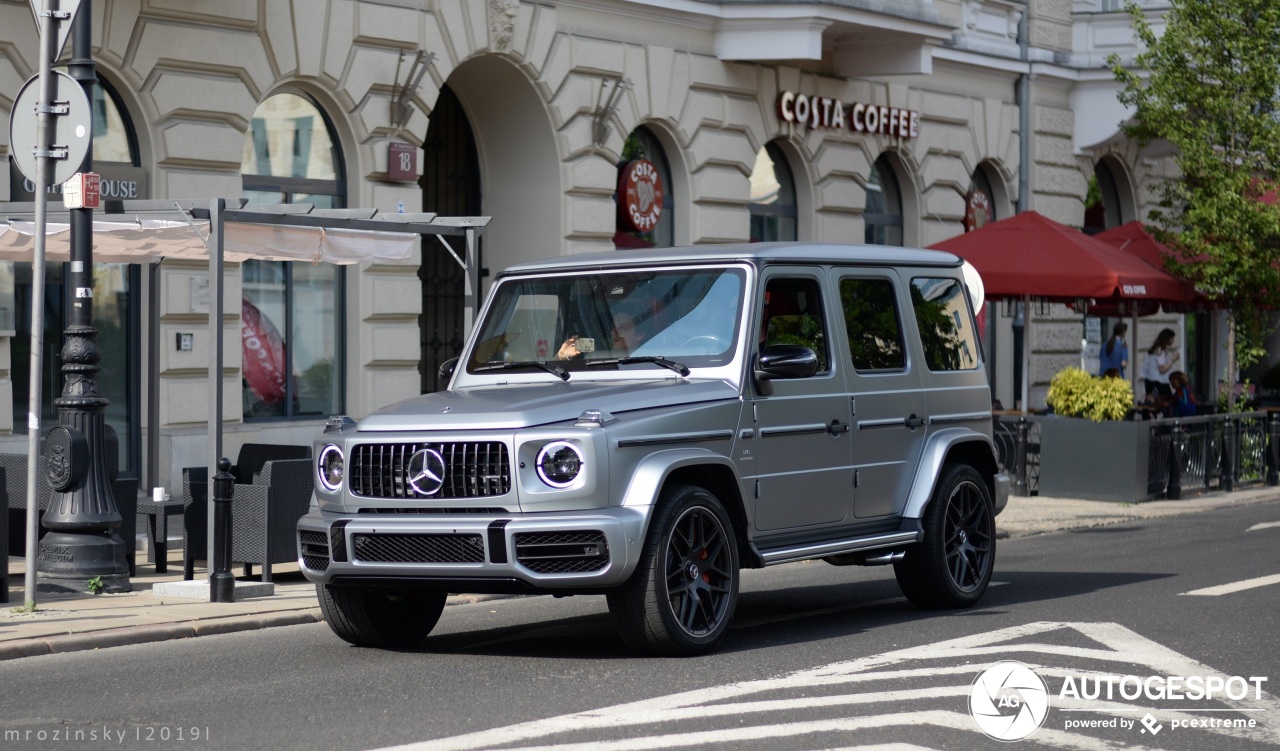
803 453
888 404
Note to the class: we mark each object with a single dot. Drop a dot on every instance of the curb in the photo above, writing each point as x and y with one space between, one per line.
146 634
45 645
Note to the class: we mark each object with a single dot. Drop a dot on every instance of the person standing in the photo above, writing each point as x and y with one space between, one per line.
1115 353
1162 358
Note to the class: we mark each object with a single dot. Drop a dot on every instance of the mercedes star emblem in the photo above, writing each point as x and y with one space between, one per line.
426 471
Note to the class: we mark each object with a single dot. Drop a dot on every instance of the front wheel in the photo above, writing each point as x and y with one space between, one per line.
682 595
370 617
951 566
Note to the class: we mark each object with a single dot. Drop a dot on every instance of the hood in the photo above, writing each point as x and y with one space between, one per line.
508 407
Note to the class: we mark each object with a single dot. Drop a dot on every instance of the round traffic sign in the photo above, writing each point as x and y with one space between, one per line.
72 130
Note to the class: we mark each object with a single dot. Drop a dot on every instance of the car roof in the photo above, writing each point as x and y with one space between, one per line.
758 254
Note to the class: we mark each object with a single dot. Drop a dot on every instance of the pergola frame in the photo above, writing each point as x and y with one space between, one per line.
222 211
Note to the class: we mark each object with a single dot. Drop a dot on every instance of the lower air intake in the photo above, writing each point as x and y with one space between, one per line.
562 552
419 548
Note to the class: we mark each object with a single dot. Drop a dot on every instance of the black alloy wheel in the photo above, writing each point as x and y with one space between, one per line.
682 595
951 565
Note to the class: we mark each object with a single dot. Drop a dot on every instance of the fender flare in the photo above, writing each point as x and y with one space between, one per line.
652 472
932 458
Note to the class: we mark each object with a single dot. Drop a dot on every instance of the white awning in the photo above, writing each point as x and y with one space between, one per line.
147 240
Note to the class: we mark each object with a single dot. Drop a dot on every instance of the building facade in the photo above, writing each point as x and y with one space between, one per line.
579 126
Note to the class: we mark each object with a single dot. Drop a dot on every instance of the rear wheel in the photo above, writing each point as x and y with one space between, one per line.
370 617
684 590
951 566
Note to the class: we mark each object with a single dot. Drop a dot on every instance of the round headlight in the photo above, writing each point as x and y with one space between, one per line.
329 467
559 464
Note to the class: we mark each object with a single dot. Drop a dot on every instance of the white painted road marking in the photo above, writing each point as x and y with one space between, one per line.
728 715
1240 586
1264 525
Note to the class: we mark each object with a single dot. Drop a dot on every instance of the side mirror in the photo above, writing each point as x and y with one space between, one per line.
784 361
446 369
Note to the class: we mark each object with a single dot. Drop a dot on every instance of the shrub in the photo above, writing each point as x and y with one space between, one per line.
1075 393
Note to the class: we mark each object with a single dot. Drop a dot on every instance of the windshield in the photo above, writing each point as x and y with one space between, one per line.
581 321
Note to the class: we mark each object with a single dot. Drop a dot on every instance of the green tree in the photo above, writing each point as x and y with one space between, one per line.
1210 86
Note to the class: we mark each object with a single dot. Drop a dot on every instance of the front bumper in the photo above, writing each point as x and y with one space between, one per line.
518 552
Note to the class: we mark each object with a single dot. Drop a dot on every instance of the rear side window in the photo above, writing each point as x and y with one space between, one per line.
945 322
873 324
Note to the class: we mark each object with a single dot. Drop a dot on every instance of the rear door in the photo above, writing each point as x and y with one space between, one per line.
884 389
952 376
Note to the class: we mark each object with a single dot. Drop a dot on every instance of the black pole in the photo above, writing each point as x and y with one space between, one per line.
222 585
82 552
1227 482
1176 438
1273 448
1021 486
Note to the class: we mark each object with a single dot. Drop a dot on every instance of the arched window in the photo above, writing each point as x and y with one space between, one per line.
1103 210
291 155
980 203
641 190
773 197
292 313
883 215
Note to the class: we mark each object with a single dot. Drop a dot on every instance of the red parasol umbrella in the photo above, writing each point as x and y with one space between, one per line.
1134 239
1032 255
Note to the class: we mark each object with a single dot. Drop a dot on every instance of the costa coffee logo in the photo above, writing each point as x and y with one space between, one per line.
642 195
977 210
824 112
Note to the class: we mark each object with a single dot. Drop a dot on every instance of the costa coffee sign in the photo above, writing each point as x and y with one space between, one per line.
823 112
641 195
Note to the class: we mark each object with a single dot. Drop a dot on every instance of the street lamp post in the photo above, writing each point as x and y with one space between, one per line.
82 551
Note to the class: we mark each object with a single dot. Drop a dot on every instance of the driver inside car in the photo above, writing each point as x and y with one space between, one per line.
626 337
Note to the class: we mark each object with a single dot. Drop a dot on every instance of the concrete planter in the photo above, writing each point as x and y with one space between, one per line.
1104 461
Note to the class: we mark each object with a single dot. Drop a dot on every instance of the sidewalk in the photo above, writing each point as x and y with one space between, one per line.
69 623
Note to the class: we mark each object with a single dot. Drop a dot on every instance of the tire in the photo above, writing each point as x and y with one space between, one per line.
951 566
369 617
682 595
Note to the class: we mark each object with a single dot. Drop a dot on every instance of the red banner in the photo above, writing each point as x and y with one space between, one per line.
263 354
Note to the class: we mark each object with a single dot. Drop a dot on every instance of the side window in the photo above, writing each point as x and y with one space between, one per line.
945 322
792 314
872 321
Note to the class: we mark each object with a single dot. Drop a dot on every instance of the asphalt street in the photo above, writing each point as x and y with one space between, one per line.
821 657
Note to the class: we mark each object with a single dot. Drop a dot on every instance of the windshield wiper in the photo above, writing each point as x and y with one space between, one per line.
554 370
655 359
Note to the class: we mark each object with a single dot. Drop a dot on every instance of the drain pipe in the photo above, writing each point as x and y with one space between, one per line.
1023 96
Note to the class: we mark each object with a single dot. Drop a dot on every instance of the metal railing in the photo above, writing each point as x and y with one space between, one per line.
1017 439
1187 454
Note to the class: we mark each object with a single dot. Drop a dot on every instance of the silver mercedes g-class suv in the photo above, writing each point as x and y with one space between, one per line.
646 424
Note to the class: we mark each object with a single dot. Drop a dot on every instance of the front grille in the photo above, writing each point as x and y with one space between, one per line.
562 552
315 549
471 470
419 548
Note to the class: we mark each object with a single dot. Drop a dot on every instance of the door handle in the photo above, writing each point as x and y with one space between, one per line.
836 427
914 422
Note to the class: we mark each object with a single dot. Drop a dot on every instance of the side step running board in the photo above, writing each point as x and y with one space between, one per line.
836 547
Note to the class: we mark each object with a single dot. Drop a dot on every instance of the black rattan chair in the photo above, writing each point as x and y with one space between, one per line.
272 491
